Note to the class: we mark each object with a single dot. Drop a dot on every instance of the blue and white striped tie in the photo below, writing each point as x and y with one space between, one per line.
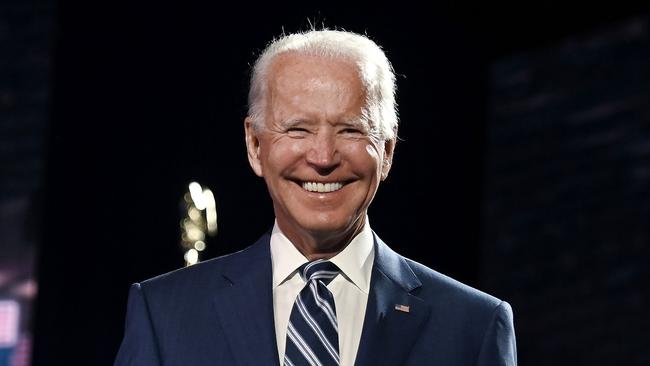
312 336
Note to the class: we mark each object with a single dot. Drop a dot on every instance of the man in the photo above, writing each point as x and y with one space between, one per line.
321 288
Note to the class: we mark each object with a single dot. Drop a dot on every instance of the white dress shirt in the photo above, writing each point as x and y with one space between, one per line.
350 288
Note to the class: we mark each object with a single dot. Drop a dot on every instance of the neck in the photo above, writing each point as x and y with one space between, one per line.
322 245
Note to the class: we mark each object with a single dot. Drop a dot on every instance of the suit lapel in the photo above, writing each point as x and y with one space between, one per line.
244 307
389 333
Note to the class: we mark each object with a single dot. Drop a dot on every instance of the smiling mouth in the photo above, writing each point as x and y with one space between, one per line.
322 187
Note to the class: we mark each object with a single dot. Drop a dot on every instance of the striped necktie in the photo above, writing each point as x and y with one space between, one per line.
312 336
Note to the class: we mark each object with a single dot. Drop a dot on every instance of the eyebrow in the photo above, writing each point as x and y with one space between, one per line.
356 122
350 122
294 122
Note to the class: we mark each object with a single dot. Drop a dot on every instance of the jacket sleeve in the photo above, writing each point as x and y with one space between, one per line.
499 347
139 344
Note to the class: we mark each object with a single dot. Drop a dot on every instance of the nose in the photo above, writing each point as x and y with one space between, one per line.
323 154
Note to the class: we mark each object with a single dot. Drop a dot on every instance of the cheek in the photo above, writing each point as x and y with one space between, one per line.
280 155
296 147
372 151
374 155
364 158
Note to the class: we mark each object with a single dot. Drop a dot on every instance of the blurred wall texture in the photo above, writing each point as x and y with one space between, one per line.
25 69
566 224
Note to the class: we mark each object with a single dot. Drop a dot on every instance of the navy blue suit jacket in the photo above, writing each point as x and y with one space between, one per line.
220 312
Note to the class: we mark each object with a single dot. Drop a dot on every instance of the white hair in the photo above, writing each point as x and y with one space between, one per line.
375 71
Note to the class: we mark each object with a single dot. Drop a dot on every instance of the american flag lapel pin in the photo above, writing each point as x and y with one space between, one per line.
402 308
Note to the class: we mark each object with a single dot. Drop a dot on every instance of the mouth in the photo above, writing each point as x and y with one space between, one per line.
321 187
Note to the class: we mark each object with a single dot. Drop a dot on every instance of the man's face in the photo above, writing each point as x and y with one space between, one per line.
314 151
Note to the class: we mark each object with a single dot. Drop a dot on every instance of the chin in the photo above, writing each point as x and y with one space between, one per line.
326 224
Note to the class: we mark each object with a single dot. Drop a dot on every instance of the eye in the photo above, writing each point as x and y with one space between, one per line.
297 132
353 132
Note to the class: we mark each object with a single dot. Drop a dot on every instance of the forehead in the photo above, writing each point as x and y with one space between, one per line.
301 72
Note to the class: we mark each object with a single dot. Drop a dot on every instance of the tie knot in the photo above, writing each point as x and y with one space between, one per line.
319 269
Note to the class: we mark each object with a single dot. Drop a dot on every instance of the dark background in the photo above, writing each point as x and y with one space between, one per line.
146 97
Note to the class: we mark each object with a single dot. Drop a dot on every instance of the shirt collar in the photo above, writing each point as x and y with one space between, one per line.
355 260
285 258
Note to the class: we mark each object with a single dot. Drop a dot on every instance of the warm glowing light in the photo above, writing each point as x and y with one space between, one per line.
191 257
211 211
200 219
197 195
194 233
194 214
199 245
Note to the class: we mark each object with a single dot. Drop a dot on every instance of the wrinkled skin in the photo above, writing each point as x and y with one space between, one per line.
314 131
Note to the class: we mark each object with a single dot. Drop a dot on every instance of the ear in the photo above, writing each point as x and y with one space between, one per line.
389 149
253 146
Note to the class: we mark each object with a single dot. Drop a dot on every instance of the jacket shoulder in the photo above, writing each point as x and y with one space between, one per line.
207 274
439 288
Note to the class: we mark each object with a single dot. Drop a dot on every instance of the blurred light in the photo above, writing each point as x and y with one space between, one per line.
191 257
4 278
194 234
199 245
211 211
197 195
188 225
194 214
9 316
26 289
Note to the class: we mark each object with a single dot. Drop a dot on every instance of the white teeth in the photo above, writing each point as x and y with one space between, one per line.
322 187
